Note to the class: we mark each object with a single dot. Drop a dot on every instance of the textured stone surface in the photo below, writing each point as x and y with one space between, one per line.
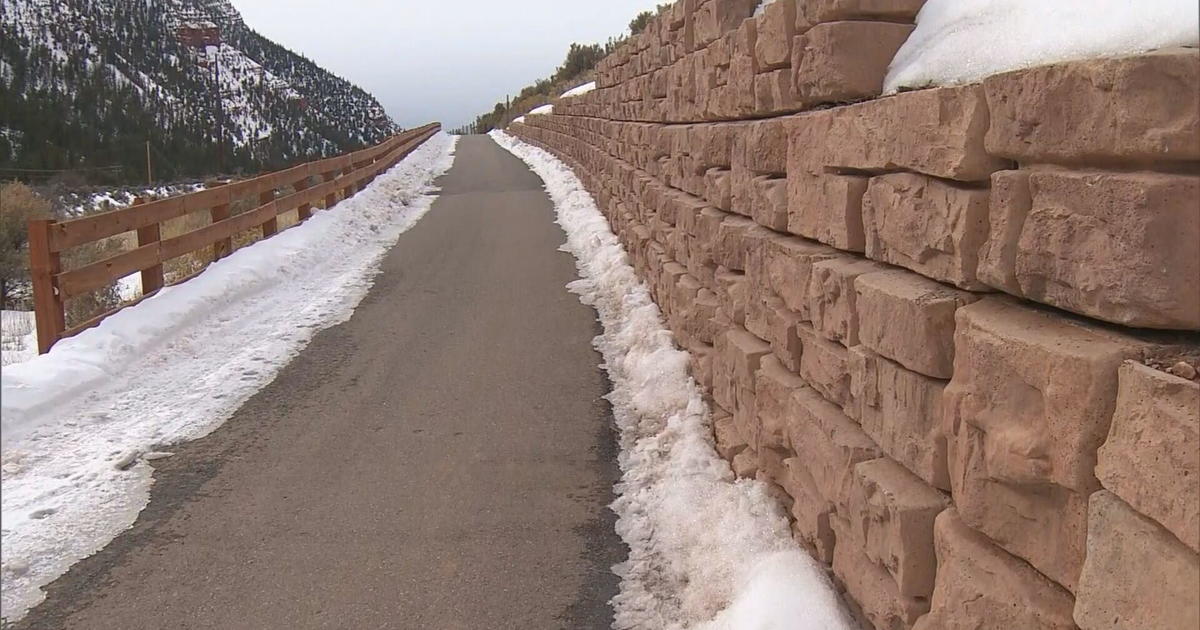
937 132
810 509
832 297
982 587
774 386
1152 456
839 62
736 360
813 12
827 208
890 516
828 443
1116 246
1137 576
1029 405
1127 109
871 586
909 319
824 365
927 225
776 28
788 265
901 411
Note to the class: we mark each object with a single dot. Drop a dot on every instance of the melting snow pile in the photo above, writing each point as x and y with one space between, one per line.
706 550
544 109
173 368
519 119
579 90
960 41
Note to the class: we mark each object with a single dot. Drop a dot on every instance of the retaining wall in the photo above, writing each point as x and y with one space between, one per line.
954 328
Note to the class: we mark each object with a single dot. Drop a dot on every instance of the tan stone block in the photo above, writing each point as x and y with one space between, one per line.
936 132
927 225
982 587
838 62
773 93
824 365
829 444
745 463
1152 456
901 411
832 297
769 202
812 12
729 250
732 291
909 319
871 586
736 359
776 28
787 269
827 208
1127 109
1029 404
1008 205
700 359
810 510
1115 246
773 389
766 146
890 517
716 188
1137 575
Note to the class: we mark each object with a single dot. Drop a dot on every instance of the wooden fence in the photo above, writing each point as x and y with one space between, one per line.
48 239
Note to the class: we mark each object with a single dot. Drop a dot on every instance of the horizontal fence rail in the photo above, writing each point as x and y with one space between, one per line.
323 181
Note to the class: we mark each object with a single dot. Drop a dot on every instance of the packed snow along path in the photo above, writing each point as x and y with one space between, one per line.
173 368
443 458
706 550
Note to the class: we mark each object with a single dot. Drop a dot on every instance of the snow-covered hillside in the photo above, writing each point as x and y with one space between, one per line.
112 75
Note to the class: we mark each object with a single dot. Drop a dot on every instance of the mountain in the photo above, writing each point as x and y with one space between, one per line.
84 84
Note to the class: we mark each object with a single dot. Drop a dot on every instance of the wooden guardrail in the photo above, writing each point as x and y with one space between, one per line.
52 285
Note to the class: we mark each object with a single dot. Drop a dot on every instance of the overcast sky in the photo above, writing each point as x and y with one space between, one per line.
446 60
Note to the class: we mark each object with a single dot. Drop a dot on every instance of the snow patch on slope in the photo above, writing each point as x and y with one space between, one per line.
707 551
544 109
960 41
173 368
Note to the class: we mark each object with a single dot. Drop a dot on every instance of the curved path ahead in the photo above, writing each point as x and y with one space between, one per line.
442 460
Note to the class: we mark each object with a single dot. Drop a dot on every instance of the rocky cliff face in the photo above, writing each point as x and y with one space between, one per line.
87 82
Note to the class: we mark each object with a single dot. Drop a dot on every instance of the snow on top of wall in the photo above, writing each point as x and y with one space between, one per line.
544 109
960 41
579 90
762 7
519 119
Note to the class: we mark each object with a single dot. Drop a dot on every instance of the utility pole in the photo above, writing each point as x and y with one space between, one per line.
149 176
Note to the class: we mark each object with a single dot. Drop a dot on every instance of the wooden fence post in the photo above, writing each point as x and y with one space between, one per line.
305 209
270 226
331 198
223 247
44 265
348 191
152 278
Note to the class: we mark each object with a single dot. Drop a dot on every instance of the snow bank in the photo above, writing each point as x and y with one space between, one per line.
173 368
579 90
544 109
706 551
960 41
519 119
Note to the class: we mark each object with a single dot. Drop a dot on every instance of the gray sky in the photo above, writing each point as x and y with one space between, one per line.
447 60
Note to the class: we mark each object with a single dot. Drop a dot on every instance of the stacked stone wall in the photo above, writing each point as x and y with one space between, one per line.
955 328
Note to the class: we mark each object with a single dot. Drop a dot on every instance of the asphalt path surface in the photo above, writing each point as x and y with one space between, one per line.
442 460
